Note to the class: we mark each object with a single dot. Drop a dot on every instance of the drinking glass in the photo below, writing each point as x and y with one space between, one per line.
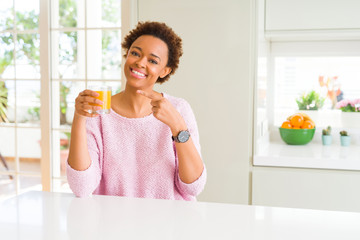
104 96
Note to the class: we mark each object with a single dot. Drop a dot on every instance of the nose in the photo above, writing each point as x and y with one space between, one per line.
141 62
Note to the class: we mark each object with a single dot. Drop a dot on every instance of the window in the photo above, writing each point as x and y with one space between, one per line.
295 76
20 130
331 69
86 50
85 40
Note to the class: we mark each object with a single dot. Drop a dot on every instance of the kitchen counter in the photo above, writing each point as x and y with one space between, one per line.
44 215
312 155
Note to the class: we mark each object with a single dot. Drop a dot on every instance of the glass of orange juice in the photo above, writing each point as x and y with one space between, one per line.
104 96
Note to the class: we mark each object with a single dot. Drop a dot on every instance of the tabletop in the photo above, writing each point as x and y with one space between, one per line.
45 215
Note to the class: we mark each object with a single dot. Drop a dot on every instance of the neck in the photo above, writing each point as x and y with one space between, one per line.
135 103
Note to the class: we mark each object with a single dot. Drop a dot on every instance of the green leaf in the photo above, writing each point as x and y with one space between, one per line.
310 101
3 102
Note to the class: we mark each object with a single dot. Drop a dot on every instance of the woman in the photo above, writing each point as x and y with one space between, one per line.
148 146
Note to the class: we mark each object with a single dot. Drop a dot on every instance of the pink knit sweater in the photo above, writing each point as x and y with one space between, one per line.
135 157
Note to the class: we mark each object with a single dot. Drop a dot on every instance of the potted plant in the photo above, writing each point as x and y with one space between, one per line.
326 136
345 139
310 101
350 112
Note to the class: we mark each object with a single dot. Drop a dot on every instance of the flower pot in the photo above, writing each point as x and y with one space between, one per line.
326 139
345 140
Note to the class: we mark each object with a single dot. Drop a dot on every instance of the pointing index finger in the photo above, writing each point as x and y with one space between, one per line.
148 95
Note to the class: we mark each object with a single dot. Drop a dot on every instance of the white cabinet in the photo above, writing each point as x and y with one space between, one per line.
283 175
306 188
284 15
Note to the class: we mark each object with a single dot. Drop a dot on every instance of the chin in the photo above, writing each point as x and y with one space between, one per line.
139 83
135 85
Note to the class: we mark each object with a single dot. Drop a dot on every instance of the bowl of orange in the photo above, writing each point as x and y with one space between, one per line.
299 129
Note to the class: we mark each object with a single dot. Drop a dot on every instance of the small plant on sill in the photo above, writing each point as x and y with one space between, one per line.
327 131
344 138
344 133
347 105
310 101
326 136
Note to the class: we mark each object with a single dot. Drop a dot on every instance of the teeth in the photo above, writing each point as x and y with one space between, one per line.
138 73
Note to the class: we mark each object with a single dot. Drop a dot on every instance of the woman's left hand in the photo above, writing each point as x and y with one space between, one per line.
164 111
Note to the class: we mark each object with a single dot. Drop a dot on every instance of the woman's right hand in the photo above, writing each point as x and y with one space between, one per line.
84 103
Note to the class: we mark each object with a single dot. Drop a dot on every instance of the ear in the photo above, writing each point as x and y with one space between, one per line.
165 72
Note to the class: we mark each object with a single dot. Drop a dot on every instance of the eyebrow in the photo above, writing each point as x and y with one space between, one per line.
139 48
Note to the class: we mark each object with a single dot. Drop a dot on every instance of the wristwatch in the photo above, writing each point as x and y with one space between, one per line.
182 137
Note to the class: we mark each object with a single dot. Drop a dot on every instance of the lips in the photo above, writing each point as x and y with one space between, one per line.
136 73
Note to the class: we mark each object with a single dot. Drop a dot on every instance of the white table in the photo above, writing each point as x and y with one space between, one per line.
44 215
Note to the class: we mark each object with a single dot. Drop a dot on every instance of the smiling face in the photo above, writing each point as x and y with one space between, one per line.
145 62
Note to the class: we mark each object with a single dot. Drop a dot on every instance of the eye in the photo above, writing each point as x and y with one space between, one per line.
134 53
153 61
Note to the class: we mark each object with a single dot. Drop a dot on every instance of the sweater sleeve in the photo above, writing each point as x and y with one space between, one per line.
196 187
83 183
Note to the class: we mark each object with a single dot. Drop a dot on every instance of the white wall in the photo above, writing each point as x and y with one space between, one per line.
215 77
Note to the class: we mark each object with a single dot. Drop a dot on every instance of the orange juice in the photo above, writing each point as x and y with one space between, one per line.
105 97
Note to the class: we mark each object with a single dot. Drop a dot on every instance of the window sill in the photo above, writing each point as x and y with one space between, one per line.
312 155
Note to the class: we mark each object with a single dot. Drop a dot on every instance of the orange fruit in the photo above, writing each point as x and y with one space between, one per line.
297 120
308 125
296 128
286 124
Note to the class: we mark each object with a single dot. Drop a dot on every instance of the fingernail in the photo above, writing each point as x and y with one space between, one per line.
98 108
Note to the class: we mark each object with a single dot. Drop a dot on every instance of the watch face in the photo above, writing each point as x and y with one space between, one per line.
183 136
